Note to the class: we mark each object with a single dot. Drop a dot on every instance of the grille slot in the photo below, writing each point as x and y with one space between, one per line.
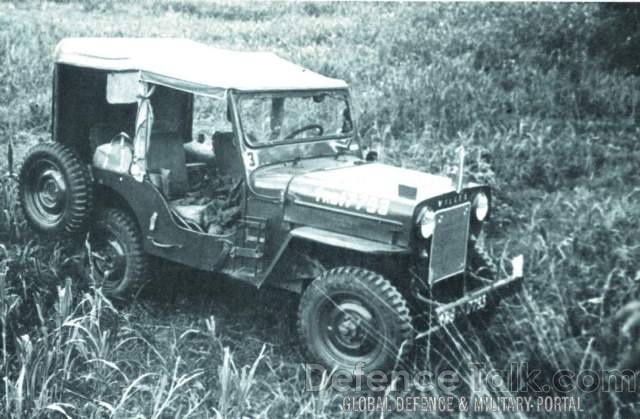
449 243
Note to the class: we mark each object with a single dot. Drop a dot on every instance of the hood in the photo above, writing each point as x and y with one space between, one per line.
379 180
374 189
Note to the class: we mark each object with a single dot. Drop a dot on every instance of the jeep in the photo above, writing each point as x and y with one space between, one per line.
244 164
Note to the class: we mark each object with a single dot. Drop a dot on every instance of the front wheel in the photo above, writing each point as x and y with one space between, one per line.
350 316
117 260
481 263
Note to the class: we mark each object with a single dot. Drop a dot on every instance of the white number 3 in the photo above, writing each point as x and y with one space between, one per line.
250 159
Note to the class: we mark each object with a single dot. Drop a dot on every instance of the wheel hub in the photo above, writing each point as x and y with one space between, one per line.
109 260
351 326
51 189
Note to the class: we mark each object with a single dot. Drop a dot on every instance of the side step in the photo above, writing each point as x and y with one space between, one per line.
246 258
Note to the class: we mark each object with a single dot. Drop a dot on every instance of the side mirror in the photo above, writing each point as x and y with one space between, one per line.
371 155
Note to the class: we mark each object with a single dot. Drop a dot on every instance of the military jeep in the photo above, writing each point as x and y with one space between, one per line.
245 164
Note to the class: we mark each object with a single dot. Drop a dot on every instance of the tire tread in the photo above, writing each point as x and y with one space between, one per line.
376 284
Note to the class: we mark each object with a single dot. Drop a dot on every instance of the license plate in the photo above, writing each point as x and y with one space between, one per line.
452 314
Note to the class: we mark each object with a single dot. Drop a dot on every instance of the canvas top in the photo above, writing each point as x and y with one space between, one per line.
192 66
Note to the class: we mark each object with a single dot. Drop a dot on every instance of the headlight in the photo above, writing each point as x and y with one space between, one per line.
481 206
427 222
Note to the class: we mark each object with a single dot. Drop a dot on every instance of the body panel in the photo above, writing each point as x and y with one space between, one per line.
162 236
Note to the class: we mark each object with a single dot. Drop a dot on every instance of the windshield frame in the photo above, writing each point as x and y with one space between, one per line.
238 96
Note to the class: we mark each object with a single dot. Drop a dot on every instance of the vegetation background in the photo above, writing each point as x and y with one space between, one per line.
544 97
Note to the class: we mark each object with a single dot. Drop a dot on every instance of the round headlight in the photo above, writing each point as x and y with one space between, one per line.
481 206
427 222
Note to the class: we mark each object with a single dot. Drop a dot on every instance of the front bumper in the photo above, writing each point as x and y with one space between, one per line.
445 314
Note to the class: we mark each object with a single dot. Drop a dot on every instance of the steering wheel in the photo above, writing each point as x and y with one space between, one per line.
293 133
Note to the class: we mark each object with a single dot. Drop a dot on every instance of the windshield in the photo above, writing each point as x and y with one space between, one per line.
276 118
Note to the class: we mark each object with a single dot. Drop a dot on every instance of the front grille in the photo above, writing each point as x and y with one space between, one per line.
448 254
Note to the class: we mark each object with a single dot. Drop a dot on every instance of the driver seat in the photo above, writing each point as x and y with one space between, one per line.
166 154
226 154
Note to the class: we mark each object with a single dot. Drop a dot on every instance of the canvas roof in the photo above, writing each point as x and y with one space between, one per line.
192 66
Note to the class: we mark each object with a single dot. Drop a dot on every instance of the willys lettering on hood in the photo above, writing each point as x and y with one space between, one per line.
374 189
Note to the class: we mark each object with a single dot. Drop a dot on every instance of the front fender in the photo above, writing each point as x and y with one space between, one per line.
345 241
329 238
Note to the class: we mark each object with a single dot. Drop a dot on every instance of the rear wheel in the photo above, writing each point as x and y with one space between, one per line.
349 316
118 262
55 190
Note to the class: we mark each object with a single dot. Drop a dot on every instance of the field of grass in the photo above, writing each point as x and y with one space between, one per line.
549 126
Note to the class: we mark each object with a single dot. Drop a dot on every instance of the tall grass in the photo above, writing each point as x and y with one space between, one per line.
545 122
83 358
